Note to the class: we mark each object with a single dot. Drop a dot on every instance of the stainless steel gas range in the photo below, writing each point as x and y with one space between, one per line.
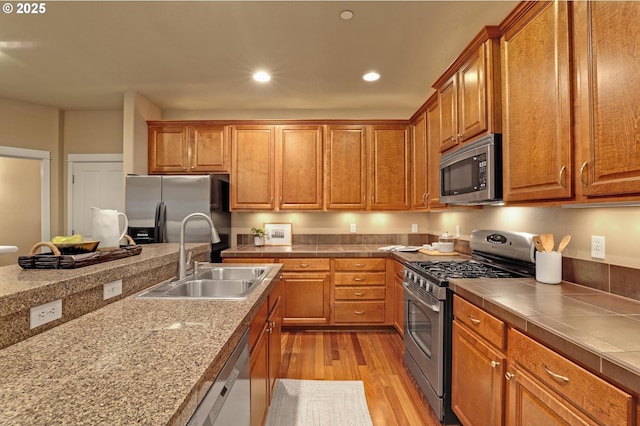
428 306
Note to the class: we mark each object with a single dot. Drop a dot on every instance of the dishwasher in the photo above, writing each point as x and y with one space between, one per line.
228 400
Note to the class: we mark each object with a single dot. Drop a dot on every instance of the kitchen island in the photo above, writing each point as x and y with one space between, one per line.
135 361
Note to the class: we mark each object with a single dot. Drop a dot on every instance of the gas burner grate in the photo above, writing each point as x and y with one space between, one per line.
445 270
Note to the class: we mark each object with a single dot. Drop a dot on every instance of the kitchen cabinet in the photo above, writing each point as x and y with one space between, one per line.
478 365
359 291
266 356
346 167
367 167
398 297
433 145
390 154
306 291
546 388
468 92
252 183
607 130
419 163
276 167
537 103
188 147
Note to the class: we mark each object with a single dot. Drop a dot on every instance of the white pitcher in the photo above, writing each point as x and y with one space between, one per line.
106 228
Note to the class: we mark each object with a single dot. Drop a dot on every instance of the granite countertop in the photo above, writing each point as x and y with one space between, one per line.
597 329
135 361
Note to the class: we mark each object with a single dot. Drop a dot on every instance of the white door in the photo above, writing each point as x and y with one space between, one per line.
94 184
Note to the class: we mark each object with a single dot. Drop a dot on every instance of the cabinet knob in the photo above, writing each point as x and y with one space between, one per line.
453 138
509 376
494 364
562 170
459 136
584 184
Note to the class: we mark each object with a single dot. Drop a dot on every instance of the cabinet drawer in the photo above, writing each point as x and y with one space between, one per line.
398 268
248 260
487 326
304 264
359 278
360 293
359 264
359 312
601 400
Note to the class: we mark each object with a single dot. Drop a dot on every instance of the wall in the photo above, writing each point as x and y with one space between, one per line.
25 125
137 111
93 132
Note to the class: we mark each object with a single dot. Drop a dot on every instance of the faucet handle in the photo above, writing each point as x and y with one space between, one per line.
196 267
188 261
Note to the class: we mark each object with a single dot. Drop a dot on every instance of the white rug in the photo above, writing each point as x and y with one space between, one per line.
318 403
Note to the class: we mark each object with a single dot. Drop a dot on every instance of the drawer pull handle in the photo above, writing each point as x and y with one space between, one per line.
359 293
358 312
360 265
555 376
509 376
473 320
494 364
304 265
358 279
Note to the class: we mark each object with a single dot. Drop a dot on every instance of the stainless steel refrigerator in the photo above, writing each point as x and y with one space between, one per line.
156 206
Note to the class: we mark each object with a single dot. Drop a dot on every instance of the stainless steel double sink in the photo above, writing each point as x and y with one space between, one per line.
211 282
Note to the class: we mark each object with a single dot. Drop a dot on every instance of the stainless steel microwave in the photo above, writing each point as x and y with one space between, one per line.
472 174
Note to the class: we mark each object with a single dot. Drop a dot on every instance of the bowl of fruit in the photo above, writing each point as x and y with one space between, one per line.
74 244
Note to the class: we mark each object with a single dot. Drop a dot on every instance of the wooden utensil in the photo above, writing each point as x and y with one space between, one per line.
547 242
563 243
538 243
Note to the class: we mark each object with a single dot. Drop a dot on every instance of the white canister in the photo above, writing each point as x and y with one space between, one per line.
549 267
445 243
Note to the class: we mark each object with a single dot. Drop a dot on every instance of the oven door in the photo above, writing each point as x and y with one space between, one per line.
423 337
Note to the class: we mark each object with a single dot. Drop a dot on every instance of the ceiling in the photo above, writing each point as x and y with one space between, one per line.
196 58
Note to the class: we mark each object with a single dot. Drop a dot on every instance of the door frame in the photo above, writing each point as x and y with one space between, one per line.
45 182
85 158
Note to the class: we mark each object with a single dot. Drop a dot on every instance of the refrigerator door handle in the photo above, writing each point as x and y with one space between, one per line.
160 221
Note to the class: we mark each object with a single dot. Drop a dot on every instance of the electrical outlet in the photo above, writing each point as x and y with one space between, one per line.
352 228
414 227
47 312
597 247
111 289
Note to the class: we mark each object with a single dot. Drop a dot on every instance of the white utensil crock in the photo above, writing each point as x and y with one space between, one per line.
549 267
106 228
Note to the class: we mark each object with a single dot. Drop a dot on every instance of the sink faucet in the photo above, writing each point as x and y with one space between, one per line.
182 261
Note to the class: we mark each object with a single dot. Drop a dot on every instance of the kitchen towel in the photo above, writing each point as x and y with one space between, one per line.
318 403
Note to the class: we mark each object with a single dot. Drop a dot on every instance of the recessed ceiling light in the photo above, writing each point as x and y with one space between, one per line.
371 76
346 15
261 76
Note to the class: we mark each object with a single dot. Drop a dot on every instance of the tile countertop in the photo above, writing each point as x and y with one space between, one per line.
135 361
596 329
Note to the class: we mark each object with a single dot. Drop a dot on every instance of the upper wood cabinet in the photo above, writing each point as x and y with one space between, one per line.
252 183
346 167
608 106
469 92
433 145
389 167
188 147
419 163
276 167
299 167
537 126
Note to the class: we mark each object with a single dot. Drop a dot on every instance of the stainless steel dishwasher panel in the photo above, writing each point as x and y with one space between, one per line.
228 401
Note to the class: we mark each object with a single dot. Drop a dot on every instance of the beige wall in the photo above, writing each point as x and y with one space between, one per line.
19 206
137 111
93 132
25 125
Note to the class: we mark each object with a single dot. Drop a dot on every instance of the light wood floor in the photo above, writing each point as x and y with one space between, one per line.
375 357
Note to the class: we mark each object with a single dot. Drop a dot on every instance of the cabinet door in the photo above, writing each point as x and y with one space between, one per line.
299 166
168 150
209 149
260 379
433 144
477 379
531 403
608 65
252 172
420 161
390 168
398 320
472 96
448 102
306 299
346 174
537 132
275 336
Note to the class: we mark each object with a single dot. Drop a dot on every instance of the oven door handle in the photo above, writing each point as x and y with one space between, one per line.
435 307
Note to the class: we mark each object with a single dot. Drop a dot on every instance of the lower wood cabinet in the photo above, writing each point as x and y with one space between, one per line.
398 295
306 291
359 291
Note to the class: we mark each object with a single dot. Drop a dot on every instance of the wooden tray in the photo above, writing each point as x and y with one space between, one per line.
437 253
55 260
